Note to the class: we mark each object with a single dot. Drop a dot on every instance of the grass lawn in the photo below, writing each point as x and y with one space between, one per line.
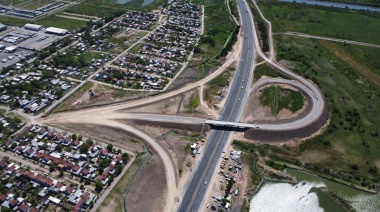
278 98
265 70
332 22
60 22
350 143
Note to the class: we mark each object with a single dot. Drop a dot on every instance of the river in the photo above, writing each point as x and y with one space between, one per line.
304 196
146 2
335 4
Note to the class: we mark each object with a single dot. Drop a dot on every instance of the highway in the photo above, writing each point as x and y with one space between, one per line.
198 183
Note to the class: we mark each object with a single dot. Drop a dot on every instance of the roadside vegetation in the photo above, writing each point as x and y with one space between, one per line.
194 102
60 22
65 105
347 149
96 8
112 201
278 98
265 70
218 29
326 21
213 88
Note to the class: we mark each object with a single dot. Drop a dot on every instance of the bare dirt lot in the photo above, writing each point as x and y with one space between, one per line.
105 134
176 105
148 192
102 95
254 111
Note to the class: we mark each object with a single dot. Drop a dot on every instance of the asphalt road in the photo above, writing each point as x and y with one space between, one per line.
195 192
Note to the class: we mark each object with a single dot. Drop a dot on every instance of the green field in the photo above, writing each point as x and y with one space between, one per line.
60 22
94 9
350 143
325 21
278 98
218 27
265 70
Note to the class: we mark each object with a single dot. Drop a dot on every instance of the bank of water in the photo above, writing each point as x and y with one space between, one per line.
146 2
305 196
335 4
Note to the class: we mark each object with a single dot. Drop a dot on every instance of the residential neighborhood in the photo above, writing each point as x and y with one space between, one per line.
72 165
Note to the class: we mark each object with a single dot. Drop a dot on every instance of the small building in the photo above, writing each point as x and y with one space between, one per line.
33 27
3 27
11 49
56 31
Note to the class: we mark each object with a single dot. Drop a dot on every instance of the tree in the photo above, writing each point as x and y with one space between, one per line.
99 185
118 151
84 148
13 145
1 126
89 142
80 137
109 147
125 157
74 136
87 182
52 167
81 187
119 169
15 121
61 173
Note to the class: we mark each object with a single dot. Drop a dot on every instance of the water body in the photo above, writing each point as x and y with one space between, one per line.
146 2
335 4
305 196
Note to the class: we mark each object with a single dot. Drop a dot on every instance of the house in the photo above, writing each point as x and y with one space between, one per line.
24 207
76 170
42 133
58 138
76 144
67 141
103 153
13 203
3 198
50 135
3 164
69 190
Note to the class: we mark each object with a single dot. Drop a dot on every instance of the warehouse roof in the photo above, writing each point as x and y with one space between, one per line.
33 26
55 30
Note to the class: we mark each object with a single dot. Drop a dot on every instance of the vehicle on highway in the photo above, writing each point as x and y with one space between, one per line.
206 182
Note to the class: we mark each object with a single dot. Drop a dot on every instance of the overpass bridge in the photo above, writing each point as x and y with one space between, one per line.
230 124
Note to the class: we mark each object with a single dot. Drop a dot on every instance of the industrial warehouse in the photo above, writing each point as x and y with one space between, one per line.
17 43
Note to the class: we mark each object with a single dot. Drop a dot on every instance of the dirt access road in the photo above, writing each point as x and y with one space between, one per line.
107 115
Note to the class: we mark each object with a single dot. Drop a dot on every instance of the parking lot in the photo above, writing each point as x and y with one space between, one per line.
36 40
7 59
